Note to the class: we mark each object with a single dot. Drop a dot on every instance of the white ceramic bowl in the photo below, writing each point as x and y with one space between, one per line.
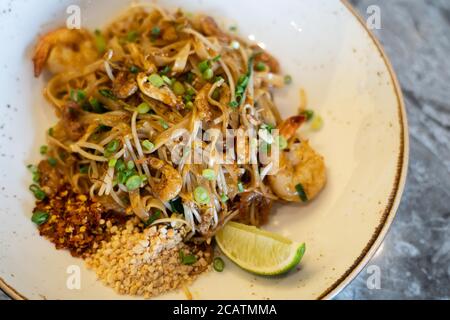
348 80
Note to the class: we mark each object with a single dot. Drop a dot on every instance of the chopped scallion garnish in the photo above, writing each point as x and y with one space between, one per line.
143 108
218 264
301 192
148 146
156 80
201 195
43 149
208 174
39 217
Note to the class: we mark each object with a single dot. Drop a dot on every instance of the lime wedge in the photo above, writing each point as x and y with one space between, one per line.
259 251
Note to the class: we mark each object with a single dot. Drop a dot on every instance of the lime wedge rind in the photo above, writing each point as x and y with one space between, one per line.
258 251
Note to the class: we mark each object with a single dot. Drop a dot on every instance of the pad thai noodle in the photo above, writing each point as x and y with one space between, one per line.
167 117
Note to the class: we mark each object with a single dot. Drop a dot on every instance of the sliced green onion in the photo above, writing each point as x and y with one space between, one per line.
132 36
143 108
208 74
268 127
287 79
240 187
120 165
189 105
309 114
216 94
178 88
153 218
52 161
233 104
163 124
43 149
134 69
209 174
100 41
148 146
156 80
38 193
201 195
165 70
203 66
167 80
107 94
112 146
301 192
39 217
260 66
130 165
84 169
216 58
190 77
218 264
77 95
156 31
112 162
187 259
133 182
223 198
282 142
233 28
50 132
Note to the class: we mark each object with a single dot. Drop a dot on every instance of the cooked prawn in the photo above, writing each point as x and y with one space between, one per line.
170 183
64 50
300 167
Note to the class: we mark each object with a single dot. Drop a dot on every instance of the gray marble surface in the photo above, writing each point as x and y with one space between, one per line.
415 258
414 262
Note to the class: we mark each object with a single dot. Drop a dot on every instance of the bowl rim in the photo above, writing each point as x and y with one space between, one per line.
394 199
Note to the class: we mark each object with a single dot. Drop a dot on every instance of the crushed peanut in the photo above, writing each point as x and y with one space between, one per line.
147 263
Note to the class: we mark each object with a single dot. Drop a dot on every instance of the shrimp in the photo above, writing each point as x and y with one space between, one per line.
163 93
171 182
64 50
300 167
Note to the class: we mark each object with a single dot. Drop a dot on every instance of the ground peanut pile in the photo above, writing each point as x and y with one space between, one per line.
147 263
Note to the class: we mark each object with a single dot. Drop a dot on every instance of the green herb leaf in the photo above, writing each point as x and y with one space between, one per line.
201 195
132 36
143 108
107 94
301 192
156 80
38 193
218 264
39 217
148 146
52 161
153 218
43 149
133 182
209 174
100 41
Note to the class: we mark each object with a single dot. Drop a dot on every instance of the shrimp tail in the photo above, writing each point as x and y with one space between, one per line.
290 126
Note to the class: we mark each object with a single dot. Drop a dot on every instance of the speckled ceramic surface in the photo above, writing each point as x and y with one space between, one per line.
364 140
